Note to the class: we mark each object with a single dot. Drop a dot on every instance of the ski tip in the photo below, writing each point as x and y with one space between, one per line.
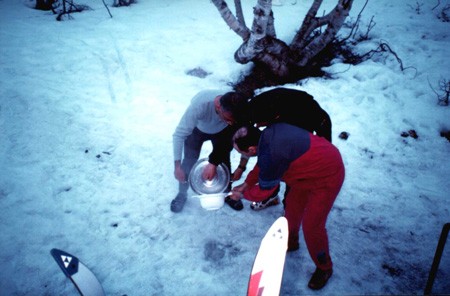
84 280
67 262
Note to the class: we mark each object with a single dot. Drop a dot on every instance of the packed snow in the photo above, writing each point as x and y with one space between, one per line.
88 106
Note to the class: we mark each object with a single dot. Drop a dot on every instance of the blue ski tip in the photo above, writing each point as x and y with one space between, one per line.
67 262
84 280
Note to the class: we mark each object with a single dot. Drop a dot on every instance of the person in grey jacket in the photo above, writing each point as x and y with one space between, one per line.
211 116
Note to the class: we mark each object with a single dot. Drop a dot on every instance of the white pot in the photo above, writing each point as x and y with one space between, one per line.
212 202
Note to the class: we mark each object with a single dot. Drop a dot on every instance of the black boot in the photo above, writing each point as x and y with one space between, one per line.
234 204
178 202
319 279
293 244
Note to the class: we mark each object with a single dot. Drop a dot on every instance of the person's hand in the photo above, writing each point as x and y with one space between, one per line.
240 188
241 168
209 172
237 174
179 174
235 195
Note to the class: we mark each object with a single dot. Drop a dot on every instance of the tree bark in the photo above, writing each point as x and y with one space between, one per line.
234 24
263 46
255 44
260 44
305 44
239 13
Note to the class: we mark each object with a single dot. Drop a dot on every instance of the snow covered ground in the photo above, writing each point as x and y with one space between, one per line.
87 111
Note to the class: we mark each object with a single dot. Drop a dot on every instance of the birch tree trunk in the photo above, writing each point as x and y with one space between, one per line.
305 44
260 44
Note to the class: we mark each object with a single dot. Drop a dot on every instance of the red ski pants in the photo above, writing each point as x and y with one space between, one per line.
308 205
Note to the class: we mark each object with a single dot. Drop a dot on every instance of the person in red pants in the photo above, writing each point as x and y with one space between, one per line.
313 171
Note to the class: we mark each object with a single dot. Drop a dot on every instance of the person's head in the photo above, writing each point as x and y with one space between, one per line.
246 140
232 108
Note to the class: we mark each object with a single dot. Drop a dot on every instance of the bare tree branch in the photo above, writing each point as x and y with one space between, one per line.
310 23
309 47
270 30
444 86
439 3
106 6
238 27
239 14
262 47
356 24
255 45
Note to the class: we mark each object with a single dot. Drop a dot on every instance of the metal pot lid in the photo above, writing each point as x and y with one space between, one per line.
217 185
